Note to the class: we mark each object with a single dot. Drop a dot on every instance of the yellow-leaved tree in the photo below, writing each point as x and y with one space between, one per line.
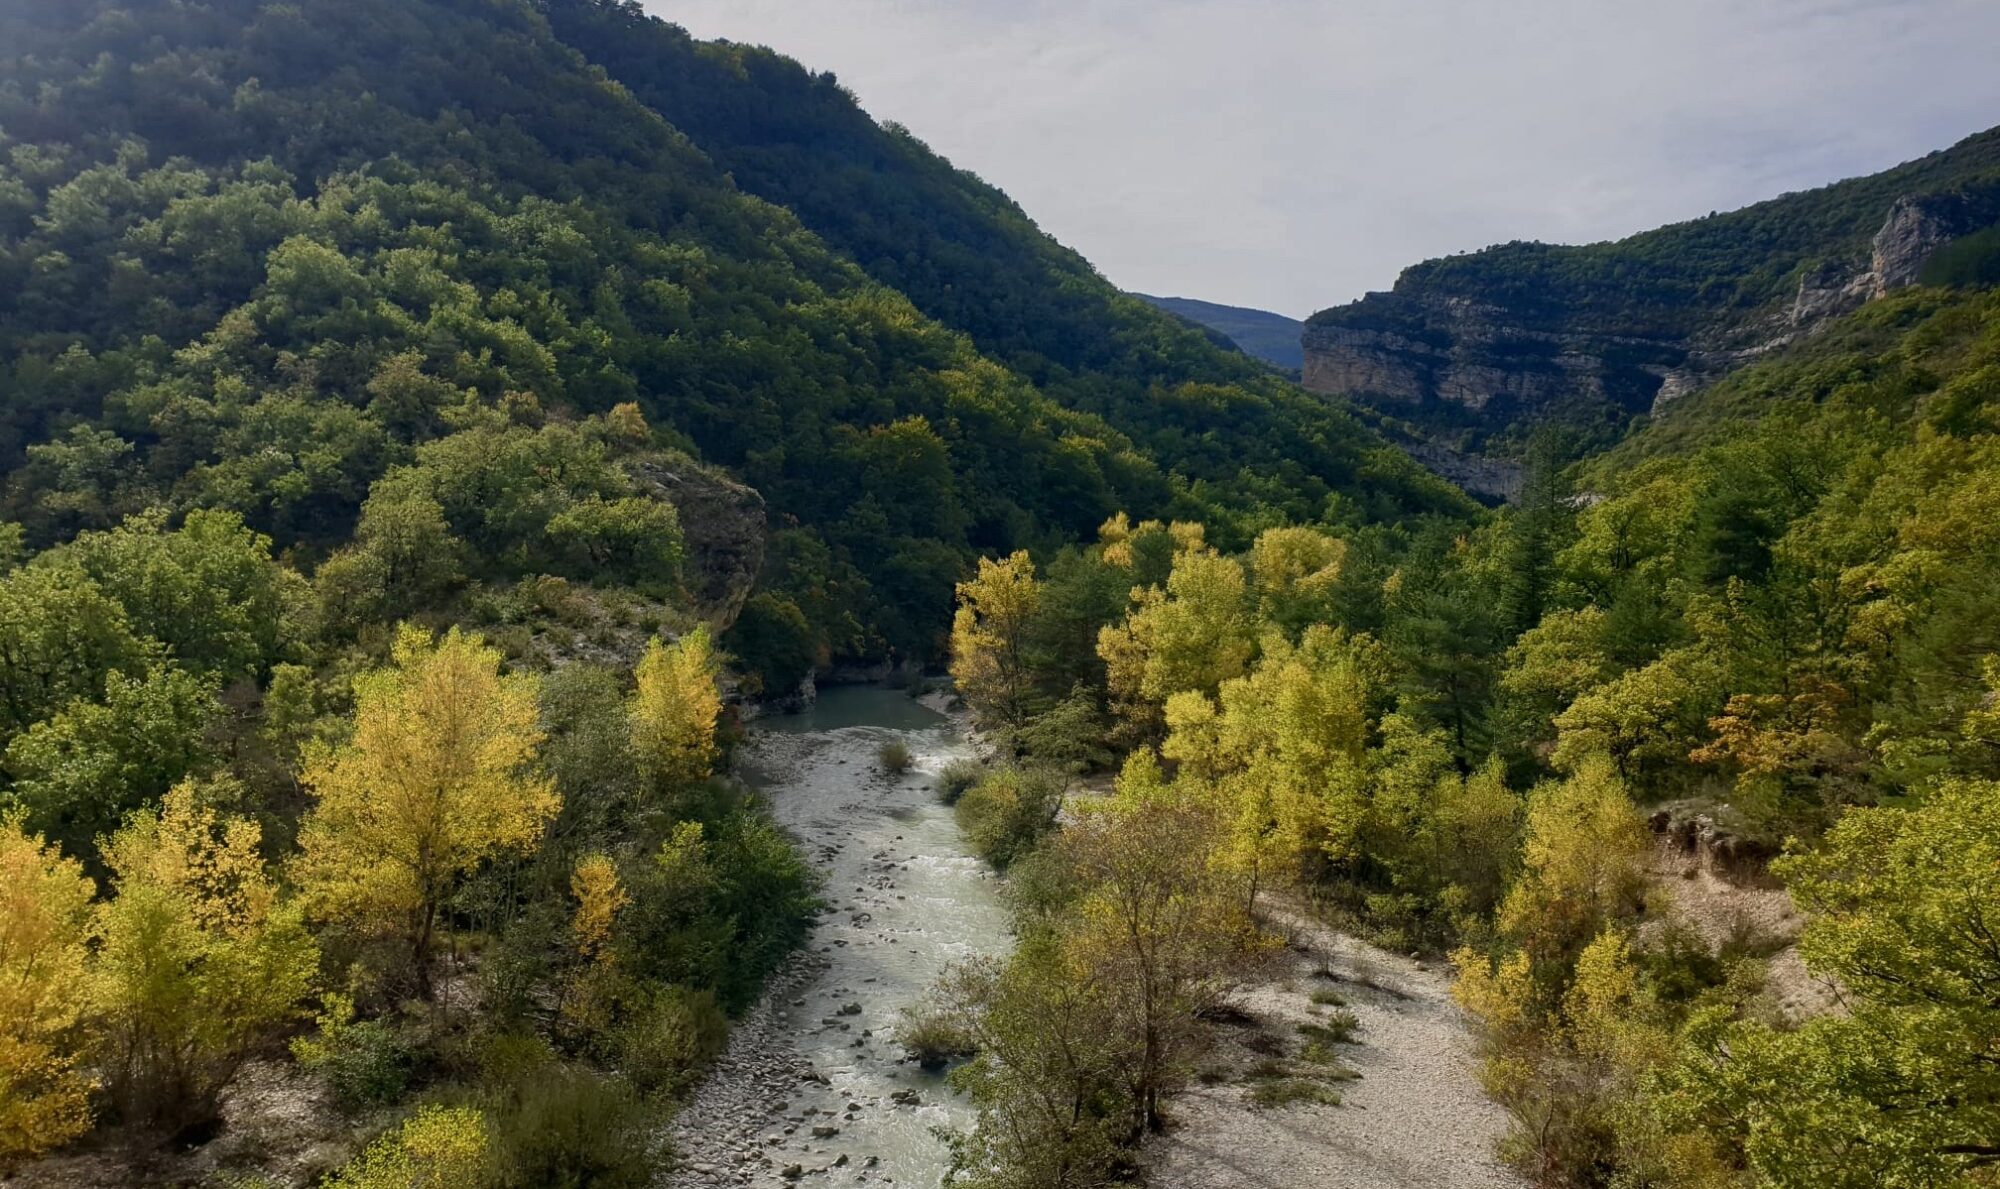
1286 747
990 637
674 710
199 963
44 925
1193 635
591 989
437 777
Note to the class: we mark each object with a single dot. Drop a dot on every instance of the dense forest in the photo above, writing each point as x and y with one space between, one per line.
1763 628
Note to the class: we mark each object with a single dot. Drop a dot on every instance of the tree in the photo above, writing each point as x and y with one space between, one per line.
437 777
59 635
673 711
1162 929
1296 570
1900 1090
44 930
79 772
991 635
199 961
1190 636
1580 862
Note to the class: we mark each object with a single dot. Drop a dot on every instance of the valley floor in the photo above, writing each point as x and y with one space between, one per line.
1415 1119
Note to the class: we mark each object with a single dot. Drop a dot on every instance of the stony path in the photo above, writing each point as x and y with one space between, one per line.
1415 1119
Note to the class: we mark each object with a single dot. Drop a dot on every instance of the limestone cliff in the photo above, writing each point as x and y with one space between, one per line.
1487 342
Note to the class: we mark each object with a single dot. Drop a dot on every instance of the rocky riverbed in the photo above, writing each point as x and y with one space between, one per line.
814 1087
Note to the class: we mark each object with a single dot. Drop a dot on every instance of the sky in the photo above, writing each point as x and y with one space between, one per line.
1292 154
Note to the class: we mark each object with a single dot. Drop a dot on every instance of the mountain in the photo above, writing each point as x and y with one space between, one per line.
1474 349
263 257
968 256
1260 334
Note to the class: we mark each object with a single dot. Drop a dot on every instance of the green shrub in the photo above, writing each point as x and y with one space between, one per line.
1005 814
567 1128
366 1063
933 1040
1283 1092
665 1046
956 777
1336 1027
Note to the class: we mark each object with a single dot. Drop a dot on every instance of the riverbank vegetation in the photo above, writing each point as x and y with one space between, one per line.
1765 625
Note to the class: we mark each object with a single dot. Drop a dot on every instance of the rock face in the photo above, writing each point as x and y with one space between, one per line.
1915 228
1416 346
723 524
1478 356
1468 346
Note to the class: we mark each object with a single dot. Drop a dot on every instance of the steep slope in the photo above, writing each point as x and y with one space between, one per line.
1260 334
262 256
1488 342
967 256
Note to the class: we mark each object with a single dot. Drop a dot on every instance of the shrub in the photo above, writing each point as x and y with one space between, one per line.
366 1064
933 1040
438 1146
1337 1027
1005 814
895 757
1283 1092
956 777
665 1045
566 1128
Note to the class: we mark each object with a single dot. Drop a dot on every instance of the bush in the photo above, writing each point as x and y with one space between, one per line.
1336 1027
567 1128
956 777
366 1064
1005 814
666 1045
436 1146
895 757
1282 1092
932 1040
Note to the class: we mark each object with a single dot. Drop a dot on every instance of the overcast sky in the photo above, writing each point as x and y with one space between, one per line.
1294 154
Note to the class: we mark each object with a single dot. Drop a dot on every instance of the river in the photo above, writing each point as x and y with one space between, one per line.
814 1084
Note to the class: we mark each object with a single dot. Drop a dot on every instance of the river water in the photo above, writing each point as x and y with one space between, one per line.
814 1083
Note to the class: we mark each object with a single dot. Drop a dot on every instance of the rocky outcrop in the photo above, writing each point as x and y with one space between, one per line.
1916 227
1475 356
723 524
1497 480
1528 332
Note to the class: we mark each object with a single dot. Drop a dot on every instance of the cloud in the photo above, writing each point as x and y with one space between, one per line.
1293 154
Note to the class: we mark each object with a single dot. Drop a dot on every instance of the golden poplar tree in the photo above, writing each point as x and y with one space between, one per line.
437 777
674 709
990 635
44 925
198 962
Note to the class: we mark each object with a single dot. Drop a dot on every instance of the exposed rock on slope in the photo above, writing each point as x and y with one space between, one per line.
723 524
1606 332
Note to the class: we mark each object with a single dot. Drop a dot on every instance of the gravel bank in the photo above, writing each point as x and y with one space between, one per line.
1415 1119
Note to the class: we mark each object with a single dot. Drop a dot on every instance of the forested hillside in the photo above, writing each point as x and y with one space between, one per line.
1763 628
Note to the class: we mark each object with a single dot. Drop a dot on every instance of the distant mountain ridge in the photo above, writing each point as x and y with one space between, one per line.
1475 348
1260 334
